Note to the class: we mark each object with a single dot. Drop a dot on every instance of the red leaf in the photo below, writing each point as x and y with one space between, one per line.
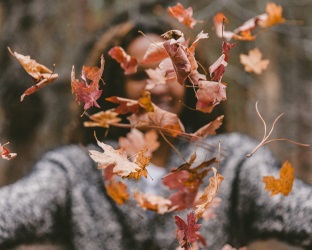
187 233
127 62
5 152
88 93
182 15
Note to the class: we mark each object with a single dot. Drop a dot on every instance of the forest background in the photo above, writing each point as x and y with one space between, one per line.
58 31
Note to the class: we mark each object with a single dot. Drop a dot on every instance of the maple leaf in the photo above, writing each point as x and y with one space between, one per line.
118 158
102 119
253 62
153 202
137 140
209 95
183 15
39 73
187 233
127 62
273 16
282 185
88 93
142 162
208 129
117 191
209 193
6 153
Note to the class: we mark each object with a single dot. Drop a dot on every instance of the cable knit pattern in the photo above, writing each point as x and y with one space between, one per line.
63 200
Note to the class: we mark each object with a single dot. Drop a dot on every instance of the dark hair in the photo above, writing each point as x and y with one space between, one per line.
122 31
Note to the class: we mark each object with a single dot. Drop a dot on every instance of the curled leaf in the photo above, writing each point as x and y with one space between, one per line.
127 62
40 73
6 153
183 15
153 202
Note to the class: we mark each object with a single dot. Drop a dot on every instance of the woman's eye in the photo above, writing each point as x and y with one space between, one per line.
139 76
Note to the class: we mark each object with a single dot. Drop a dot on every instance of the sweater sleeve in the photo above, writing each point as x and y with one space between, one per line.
248 212
32 208
261 216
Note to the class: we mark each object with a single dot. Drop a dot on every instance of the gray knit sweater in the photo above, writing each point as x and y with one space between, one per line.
63 200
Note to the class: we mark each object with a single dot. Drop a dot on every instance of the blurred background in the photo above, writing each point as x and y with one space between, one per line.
58 32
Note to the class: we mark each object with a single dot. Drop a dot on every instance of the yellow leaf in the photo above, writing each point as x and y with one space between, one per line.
284 183
274 16
117 191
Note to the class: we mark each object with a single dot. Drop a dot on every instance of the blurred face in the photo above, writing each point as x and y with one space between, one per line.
166 96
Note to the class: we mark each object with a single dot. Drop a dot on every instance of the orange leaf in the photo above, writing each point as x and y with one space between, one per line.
5 152
282 185
182 15
153 202
102 119
273 16
117 191
253 62
40 73
209 129
127 62
142 162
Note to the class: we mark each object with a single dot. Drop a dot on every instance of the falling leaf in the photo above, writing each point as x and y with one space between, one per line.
127 62
156 77
137 140
209 95
209 193
153 202
186 181
117 191
200 36
5 152
155 53
118 158
142 161
85 92
273 16
282 185
102 119
187 233
180 59
125 105
40 73
253 62
217 69
209 129
183 15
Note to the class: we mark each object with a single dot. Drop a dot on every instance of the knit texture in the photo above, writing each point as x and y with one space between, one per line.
63 200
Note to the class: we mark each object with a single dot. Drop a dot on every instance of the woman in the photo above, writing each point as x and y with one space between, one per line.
63 200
